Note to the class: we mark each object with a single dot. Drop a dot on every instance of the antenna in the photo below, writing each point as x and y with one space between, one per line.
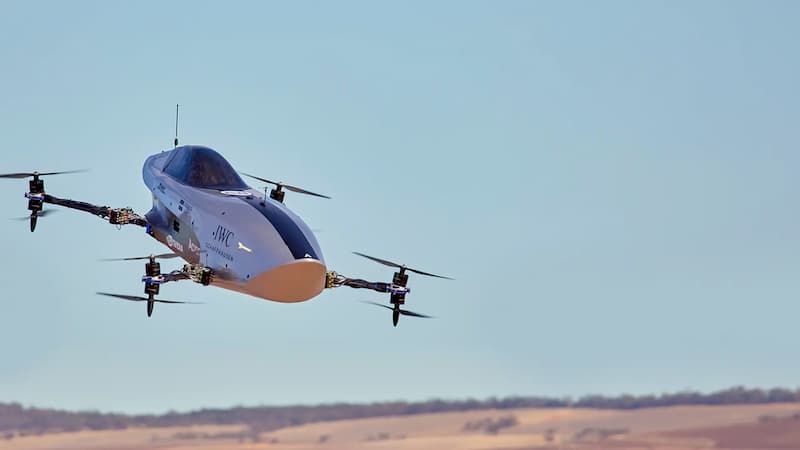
176 124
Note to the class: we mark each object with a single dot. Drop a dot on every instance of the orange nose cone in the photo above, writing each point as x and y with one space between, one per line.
296 281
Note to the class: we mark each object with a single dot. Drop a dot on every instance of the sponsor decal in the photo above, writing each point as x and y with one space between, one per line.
193 247
223 235
174 244
213 247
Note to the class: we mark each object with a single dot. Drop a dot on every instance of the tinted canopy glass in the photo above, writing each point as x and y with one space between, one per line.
204 168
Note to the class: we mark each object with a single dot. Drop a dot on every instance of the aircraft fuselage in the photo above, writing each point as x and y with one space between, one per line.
206 214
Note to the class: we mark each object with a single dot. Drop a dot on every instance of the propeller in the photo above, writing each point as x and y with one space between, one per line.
399 266
404 312
38 174
35 191
43 213
139 258
136 298
396 312
288 187
151 301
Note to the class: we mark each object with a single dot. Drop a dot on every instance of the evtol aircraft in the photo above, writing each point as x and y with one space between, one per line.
229 234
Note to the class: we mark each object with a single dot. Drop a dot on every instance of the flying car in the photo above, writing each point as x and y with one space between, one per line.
229 234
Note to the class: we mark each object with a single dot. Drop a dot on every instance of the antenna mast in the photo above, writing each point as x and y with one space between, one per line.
176 124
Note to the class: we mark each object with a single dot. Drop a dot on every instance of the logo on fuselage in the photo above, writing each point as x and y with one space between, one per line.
223 235
174 244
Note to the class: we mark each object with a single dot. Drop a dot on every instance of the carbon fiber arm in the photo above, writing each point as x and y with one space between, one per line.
116 216
335 280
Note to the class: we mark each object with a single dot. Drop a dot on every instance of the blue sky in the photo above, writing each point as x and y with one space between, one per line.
612 184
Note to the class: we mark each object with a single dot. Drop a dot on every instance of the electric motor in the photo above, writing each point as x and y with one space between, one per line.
152 269
36 186
34 205
400 279
151 288
276 194
205 277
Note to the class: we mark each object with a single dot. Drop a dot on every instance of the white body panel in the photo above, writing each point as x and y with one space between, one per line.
254 244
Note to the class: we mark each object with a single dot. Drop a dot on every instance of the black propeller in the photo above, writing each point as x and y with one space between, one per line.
42 213
399 266
38 174
151 301
396 312
138 258
404 312
35 194
136 298
280 185
397 288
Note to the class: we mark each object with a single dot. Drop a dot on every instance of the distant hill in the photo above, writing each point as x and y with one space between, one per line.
22 420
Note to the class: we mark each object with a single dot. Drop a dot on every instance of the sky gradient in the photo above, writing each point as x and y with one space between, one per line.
612 184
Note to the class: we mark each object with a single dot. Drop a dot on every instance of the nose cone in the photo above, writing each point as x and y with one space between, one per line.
296 281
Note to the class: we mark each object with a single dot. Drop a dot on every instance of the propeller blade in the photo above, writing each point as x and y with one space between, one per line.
404 312
259 178
288 187
30 174
136 298
138 258
64 172
380 261
131 298
176 302
428 274
303 191
378 304
393 264
42 213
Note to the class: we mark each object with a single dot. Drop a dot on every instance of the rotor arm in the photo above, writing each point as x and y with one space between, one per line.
357 283
101 211
176 275
37 197
116 216
335 280
397 289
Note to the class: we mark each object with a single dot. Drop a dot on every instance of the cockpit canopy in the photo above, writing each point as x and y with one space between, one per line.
203 167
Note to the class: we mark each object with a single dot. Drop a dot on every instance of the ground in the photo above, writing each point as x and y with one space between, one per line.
744 427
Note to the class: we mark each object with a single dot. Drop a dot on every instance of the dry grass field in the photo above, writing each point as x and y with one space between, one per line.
745 427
